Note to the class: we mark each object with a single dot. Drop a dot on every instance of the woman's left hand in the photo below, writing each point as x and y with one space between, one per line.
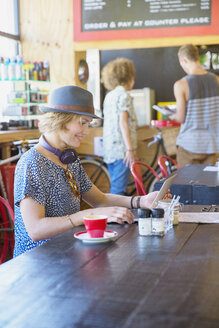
121 215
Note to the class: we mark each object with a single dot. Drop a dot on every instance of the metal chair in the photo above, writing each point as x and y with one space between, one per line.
167 165
137 175
6 230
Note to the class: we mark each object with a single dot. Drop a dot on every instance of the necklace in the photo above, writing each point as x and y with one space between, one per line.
70 177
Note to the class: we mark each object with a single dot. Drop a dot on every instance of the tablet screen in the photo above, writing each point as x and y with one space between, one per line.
163 190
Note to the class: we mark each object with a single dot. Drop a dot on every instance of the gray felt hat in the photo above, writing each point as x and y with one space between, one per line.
71 99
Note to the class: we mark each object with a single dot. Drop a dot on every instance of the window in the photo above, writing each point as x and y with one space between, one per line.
9 28
9 41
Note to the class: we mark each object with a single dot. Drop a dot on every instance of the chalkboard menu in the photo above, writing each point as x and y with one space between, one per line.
123 19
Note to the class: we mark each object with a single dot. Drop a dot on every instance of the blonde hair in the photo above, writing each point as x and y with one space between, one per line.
189 51
53 121
117 72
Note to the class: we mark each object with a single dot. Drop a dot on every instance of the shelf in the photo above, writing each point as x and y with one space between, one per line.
5 118
26 104
23 99
31 91
28 81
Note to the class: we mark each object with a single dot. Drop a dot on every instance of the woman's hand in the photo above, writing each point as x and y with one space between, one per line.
146 201
114 214
129 158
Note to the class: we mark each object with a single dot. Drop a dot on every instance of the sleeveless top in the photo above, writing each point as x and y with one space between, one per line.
200 131
115 102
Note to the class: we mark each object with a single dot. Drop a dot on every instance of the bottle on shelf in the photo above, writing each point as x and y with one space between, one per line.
12 69
35 71
1 67
4 69
27 70
40 71
46 70
19 69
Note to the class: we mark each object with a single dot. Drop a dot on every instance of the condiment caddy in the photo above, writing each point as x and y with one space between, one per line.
158 221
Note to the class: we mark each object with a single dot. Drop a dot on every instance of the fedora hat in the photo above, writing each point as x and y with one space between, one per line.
71 99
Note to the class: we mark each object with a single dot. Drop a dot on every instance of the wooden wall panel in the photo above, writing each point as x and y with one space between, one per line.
47 34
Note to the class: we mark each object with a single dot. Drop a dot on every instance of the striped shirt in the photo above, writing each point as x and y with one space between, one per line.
200 131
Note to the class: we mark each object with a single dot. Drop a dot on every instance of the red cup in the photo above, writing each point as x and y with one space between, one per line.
95 225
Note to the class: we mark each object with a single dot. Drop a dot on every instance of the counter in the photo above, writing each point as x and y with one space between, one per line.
6 137
145 134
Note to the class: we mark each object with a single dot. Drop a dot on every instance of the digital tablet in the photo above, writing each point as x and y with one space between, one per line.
163 190
165 110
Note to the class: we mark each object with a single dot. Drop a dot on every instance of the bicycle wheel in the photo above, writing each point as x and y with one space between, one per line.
97 173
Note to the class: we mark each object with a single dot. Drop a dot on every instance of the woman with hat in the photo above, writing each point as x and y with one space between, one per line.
50 181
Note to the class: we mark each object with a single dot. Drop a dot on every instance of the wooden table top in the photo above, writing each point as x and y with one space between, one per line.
136 281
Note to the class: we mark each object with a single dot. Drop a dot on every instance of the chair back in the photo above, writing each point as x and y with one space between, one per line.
137 175
6 230
8 206
166 163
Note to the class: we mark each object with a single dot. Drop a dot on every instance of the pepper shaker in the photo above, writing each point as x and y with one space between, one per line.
158 222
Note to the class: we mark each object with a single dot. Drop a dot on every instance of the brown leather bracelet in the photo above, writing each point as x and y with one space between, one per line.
131 203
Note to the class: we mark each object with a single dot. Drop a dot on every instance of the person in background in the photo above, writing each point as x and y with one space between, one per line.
120 122
50 181
197 108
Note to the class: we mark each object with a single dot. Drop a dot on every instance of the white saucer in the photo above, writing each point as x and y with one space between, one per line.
85 238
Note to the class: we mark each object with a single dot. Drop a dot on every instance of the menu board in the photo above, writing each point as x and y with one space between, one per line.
126 19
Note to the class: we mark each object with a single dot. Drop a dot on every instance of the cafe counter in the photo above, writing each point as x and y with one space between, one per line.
7 137
145 135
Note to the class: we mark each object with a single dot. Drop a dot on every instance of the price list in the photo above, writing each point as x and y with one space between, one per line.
99 15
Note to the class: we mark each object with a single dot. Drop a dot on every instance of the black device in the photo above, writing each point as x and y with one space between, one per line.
67 156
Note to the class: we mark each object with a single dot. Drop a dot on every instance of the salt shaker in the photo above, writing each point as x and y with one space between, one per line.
158 222
144 222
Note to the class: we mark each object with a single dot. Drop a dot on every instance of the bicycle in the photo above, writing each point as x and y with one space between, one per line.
97 171
96 168
148 178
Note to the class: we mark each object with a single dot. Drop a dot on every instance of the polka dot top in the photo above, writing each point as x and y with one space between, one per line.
44 181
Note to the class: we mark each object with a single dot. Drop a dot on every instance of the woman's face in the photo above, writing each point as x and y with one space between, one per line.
74 132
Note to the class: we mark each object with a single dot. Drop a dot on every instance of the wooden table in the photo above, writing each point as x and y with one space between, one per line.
170 281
